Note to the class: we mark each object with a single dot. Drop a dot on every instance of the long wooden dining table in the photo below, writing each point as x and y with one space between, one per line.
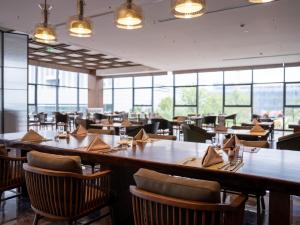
277 171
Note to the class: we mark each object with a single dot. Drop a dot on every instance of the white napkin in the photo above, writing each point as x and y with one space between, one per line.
232 142
257 128
220 128
126 123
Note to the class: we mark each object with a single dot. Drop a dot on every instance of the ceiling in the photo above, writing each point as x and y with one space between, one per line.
73 56
232 33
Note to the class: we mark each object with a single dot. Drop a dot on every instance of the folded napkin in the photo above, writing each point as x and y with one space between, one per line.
97 144
31 135
80 130
126 123
220 128
141 136
232 142
257 128
211 157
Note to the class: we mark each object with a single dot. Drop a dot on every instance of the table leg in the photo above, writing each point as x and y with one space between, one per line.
279 208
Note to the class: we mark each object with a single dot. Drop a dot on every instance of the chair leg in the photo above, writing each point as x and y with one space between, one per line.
224 196
263 205
258 212
1 192
112 216
36 219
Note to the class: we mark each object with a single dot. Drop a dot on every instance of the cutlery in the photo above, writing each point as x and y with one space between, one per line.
189 160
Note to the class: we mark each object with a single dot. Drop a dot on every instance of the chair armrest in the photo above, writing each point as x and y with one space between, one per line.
238 201
96 175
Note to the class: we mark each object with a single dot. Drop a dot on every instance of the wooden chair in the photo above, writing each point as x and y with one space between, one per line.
151 128
209 121
11 173
289 142
66 196
101 131
165 127
150 208
61 120
195 134
163 137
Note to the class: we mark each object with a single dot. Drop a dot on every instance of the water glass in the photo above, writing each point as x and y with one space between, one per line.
240 153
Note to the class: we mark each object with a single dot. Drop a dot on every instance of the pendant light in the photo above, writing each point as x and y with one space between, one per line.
44 32
80 26
260 1
129 16
188 8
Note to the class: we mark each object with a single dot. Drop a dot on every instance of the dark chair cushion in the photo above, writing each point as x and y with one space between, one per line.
3 151
55 162
178 187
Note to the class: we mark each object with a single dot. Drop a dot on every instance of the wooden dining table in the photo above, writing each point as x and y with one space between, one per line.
244 132
277 171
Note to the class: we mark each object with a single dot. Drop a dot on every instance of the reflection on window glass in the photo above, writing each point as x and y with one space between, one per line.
46 76
210 78
31 94
292 74
143 96
184 111
123 100
210 99
163 80
163 102
67 78
31 74
123 82
243 113
292 116
107 82
185 96
186 79
238 95
292 94
31 110
107 100
268 75
143 81
83 80
238 77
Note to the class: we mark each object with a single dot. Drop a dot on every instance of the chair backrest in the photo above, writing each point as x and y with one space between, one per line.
101 131
193 133
61 118
289 142
150 208
151 128
99 116
132 131
42 117
163 123
163 137
209 120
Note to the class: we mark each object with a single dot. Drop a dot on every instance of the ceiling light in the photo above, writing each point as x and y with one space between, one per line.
129 16
188 8
260 1
44 32
80 26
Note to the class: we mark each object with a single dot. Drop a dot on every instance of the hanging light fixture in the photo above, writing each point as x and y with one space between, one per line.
188 8
260 1
44 32
80 26
129 16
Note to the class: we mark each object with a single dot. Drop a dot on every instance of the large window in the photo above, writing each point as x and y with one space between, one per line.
272 92
51 90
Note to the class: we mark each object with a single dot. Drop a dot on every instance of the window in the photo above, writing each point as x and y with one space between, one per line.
31 74
163 101
238 77
107 100
292 116
268 75
163 80
243 113
292 94
185 96
67 99
183 111
83 80
237 95
143 81
123 100
125 82
292 74
210 99
46 76
143 96
210 78
107 83
46 99
68 79
186 79
31 94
